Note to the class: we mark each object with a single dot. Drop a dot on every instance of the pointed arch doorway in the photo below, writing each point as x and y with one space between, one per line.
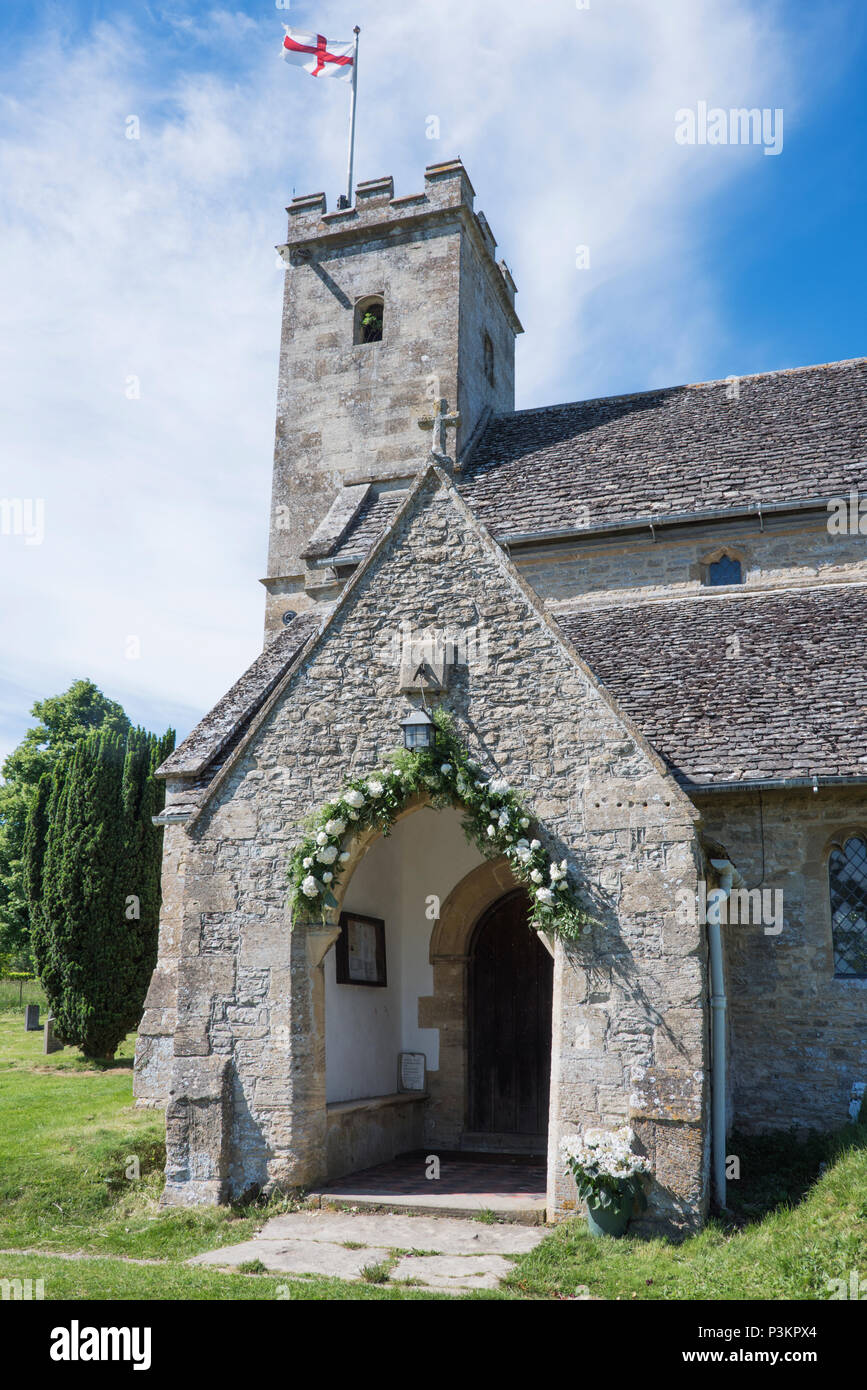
509 997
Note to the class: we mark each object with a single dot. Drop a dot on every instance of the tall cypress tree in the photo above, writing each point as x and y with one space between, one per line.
95 903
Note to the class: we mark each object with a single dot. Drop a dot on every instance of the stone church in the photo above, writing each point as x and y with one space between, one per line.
641 611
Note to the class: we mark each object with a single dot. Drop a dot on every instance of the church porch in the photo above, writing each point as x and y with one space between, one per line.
452 1183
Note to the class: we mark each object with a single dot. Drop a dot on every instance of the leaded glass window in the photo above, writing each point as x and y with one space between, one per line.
725 570
847 874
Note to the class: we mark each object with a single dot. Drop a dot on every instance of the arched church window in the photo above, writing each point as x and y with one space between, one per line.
369 319
489 360
725 570
847 877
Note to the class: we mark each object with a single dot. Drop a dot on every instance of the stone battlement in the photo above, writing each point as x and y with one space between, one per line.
448 194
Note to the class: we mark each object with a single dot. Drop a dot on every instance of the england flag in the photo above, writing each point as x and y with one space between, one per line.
317 56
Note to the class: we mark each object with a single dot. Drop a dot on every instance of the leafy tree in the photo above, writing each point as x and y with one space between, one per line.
63 720
91 870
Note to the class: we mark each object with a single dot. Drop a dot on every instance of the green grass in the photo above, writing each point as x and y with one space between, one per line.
789 1233
378 1273
114 1279
14 994
69 1132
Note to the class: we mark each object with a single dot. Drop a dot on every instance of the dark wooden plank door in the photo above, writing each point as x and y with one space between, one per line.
510 997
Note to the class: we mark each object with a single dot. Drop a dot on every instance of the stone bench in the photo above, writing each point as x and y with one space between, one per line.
374 1129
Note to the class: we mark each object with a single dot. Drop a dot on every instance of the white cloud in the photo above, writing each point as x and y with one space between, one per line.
152 259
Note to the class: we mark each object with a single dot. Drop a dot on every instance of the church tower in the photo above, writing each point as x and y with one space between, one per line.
389 307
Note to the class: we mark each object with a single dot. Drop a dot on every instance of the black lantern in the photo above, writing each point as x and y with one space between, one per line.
419 730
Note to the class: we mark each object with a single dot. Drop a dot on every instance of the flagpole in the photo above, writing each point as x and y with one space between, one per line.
348 203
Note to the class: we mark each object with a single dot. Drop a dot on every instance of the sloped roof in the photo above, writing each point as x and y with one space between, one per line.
790 436
218 732
791 704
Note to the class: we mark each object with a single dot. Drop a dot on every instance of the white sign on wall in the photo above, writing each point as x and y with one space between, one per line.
411 1071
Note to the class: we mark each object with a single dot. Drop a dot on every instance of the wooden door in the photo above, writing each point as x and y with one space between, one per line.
510 996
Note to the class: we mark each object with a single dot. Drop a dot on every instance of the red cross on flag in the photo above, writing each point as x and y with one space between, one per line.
317 56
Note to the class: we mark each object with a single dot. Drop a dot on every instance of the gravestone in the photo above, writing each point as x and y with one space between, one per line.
51 1044
31 1018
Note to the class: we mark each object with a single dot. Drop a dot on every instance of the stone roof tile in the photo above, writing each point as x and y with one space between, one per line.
790 436
791 704
223 725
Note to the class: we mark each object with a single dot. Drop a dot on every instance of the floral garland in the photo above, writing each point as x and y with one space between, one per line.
495 821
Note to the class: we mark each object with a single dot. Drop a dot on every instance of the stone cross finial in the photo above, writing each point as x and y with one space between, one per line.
438 423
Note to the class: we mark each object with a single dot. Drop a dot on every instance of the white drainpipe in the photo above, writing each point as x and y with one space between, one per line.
729 878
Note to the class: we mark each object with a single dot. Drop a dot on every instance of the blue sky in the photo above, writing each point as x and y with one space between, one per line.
152 261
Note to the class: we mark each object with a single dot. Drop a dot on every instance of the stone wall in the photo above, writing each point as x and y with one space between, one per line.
347 409
630 1006
798 1035
633 569
155 1042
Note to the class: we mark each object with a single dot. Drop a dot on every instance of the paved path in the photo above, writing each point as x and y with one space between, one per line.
433 1252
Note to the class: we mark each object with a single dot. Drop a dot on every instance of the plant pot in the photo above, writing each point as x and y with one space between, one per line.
610 1221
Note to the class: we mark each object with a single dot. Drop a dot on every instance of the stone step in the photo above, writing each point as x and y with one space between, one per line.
524 1211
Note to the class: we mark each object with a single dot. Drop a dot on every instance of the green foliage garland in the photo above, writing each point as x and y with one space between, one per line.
494 820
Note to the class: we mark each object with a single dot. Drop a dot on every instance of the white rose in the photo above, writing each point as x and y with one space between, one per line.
327 854
308 862
535 844
353 815
335 827
321 838
327 876
555 873
499 786
545 895
446 769
523 851
310 888
491 832
353 798
536 876
375 788
524 823
344 856
564 863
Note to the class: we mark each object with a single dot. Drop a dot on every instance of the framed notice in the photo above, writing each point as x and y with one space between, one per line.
411 1067
360 950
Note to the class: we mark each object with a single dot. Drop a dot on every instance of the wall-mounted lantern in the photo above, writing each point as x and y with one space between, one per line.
419 730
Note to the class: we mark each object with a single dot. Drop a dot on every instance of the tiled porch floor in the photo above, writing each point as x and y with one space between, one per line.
511 1187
